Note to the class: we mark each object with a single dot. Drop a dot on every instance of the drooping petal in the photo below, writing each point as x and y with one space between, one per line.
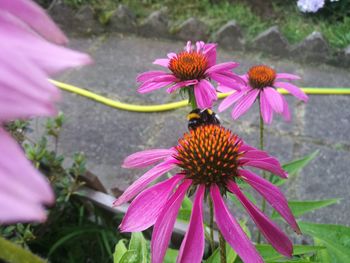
164 62
228 101
192 246
181 84
188 47
255 154
292 89
164 78
222 67
286 76
269 229
205 94
210 51
244 103
165 223
35 17
266 110
144 180
269 164
225 80
231 230
286 113
274 99
171 55
146 207
273 195
145 158
143 77
23 190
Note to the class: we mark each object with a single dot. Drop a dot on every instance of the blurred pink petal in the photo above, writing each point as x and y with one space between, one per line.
269 229
269 164
144 211
22 185
231 230
205 94
146 76
244 104
274 99
35 17
294 90
229 100
286 76
192 246
286 113
165 222
265 108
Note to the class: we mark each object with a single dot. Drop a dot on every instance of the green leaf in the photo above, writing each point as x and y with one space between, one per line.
301 207
322 255
12 253
230 255
138 243
184 214
270 254
294 167
130 256
119 251
171 255
186 203
336 238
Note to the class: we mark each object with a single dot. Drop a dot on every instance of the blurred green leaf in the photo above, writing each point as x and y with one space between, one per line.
119 251
294 167
130 256
230 255
270 254
171 255
301 207
138 244
336 238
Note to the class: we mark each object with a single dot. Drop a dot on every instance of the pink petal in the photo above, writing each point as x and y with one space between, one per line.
210 51
199 46
205 94
181 84
292 89
286 113
274 99
146 207
273 195
145 158
149 75
226 79
266 110
286 76
269 164
22 186
222 67
144 180
231 230
269 229
244 104
255 154
151 86
225 89
228 101
35 17
165 223
164 62
188 47
192 246
171 55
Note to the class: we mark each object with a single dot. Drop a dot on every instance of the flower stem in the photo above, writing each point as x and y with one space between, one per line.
192 97
211 225
222 245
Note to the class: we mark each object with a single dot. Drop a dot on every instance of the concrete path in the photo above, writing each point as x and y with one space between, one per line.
107 135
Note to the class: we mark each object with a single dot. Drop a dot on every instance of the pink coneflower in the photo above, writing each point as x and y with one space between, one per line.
26 59
211 160
191 69
262 83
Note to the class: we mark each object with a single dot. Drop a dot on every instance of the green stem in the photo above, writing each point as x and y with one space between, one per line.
192 98
12 253
211 225
222 245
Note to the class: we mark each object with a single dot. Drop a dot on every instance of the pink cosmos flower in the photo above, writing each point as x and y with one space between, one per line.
262 83
27 58
211 160
191 68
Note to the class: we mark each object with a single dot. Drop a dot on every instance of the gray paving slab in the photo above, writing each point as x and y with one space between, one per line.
107 135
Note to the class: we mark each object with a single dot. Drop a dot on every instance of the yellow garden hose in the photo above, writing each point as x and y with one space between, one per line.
174 105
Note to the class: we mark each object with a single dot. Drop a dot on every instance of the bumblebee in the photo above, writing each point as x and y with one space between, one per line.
200 117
